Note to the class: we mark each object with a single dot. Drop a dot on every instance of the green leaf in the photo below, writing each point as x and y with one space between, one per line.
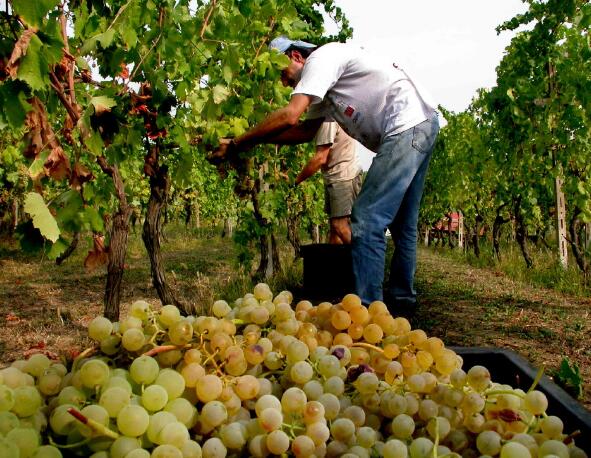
33 11
129 37
36 167
102 103
220 93
94 143
14 105
106 38
570 377
227 73
247 107
42 217
33 69
57 249
94 219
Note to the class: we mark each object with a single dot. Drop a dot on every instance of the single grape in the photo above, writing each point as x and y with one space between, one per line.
133 420
100 328
277 442
154 398
94 372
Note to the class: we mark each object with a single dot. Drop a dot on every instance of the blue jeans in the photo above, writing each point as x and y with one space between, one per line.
390 198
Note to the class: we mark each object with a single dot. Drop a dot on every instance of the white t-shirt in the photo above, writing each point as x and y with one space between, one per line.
369 97
343 163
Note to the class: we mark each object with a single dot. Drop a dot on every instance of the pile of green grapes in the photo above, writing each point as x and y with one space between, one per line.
263 377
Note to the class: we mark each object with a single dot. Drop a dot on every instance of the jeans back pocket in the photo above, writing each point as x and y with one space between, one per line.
424 135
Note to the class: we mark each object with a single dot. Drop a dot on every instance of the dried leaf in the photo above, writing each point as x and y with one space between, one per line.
99 255
57 165
40 136
20 49
506 415
79 176
49 354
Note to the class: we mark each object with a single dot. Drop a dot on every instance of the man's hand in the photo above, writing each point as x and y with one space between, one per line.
221 153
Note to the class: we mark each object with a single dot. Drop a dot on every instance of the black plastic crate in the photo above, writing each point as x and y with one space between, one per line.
507 367
328 274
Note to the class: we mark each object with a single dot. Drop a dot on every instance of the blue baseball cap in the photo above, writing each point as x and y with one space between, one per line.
283 43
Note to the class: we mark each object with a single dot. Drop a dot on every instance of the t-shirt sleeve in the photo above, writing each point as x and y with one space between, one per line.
326 134
322 70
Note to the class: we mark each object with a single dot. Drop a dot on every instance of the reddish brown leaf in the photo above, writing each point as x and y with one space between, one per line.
79 176
12 317
73 353
49 354
20 49
40 133
99 255
57 165
124 71
506 415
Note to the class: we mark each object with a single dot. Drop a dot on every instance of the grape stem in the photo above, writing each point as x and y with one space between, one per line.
436 444
368 346
537 379
497 392
154 336
101 430
163 349
81 356
72 445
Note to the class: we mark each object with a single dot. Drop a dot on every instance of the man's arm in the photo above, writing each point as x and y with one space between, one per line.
281 126
276 123
303 132
315 163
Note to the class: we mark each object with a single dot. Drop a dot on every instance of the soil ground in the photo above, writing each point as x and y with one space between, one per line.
44 307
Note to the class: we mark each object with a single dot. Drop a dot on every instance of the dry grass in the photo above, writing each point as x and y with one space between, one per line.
49 306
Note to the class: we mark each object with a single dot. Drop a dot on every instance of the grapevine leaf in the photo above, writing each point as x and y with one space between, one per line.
14 104
106 38
99 255
130 37
57 165
102 103
93 218
19 50
220 93
33 12
57 249
94 143
32 68
36 167
42 217
228 74
247 107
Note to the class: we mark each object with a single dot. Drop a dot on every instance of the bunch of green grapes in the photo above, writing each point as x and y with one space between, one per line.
262 376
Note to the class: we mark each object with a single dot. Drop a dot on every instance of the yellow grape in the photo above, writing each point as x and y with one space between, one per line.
351 301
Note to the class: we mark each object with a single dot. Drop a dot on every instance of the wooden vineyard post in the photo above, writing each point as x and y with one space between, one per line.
460 230
561 223
426 238
316 233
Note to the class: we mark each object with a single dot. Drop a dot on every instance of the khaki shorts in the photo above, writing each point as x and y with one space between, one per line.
339 197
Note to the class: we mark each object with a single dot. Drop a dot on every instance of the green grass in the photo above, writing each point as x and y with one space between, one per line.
546 271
